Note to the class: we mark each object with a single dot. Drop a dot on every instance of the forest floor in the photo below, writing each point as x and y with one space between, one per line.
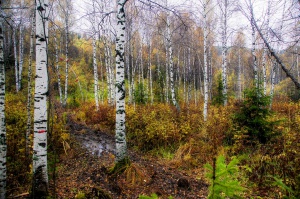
84 170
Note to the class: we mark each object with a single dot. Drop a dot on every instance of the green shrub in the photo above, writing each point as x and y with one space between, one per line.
223 179
139 94
251 121
219 98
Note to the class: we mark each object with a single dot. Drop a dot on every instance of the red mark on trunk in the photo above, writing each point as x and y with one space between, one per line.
42 131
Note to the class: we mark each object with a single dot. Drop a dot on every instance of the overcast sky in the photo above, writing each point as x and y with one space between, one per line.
237 21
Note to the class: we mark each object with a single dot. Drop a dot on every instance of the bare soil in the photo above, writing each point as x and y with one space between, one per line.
85 169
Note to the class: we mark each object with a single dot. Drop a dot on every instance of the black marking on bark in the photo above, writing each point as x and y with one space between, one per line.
42 144
120 111
40 8
120 87
2 139
40 121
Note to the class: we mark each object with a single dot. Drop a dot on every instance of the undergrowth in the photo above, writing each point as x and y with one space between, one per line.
180 139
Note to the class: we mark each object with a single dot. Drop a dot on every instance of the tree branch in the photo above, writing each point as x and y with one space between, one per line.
277 58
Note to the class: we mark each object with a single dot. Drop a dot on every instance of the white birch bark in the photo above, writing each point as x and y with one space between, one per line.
273 79
297 64
171 67
40 178
16 61
255 70
167 78
224 50
239 78
210 72
108 72
127 59
29 95
21 47
159 73
189 77
67 53
121 146
57 68
132 74
95 60
178 68
3 146
150 74
264 61
95 74
112 79
102 82
195 86
184 75
205 62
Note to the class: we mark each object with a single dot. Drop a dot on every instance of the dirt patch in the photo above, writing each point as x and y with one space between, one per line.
84 169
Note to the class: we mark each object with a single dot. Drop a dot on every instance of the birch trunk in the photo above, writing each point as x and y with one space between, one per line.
264 61
112 79
95 74
95 60
57 68
239 78
170 52
189 77
210 72
297 64
3 146
29 96
224 51
40 177
254 54
21 48
159 74
121 146
132 74
273 79
108 72
127 59
67 53
102 81
167 75
150 74
205 64
184 75
16 61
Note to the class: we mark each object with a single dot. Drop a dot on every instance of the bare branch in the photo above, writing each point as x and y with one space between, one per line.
277 58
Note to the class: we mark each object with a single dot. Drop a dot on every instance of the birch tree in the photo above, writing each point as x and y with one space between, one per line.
57 68
3 147
16 60
121 146
66 10
265 50
255 69
171 67
21 46
40 177
94 57
205 40
224 10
